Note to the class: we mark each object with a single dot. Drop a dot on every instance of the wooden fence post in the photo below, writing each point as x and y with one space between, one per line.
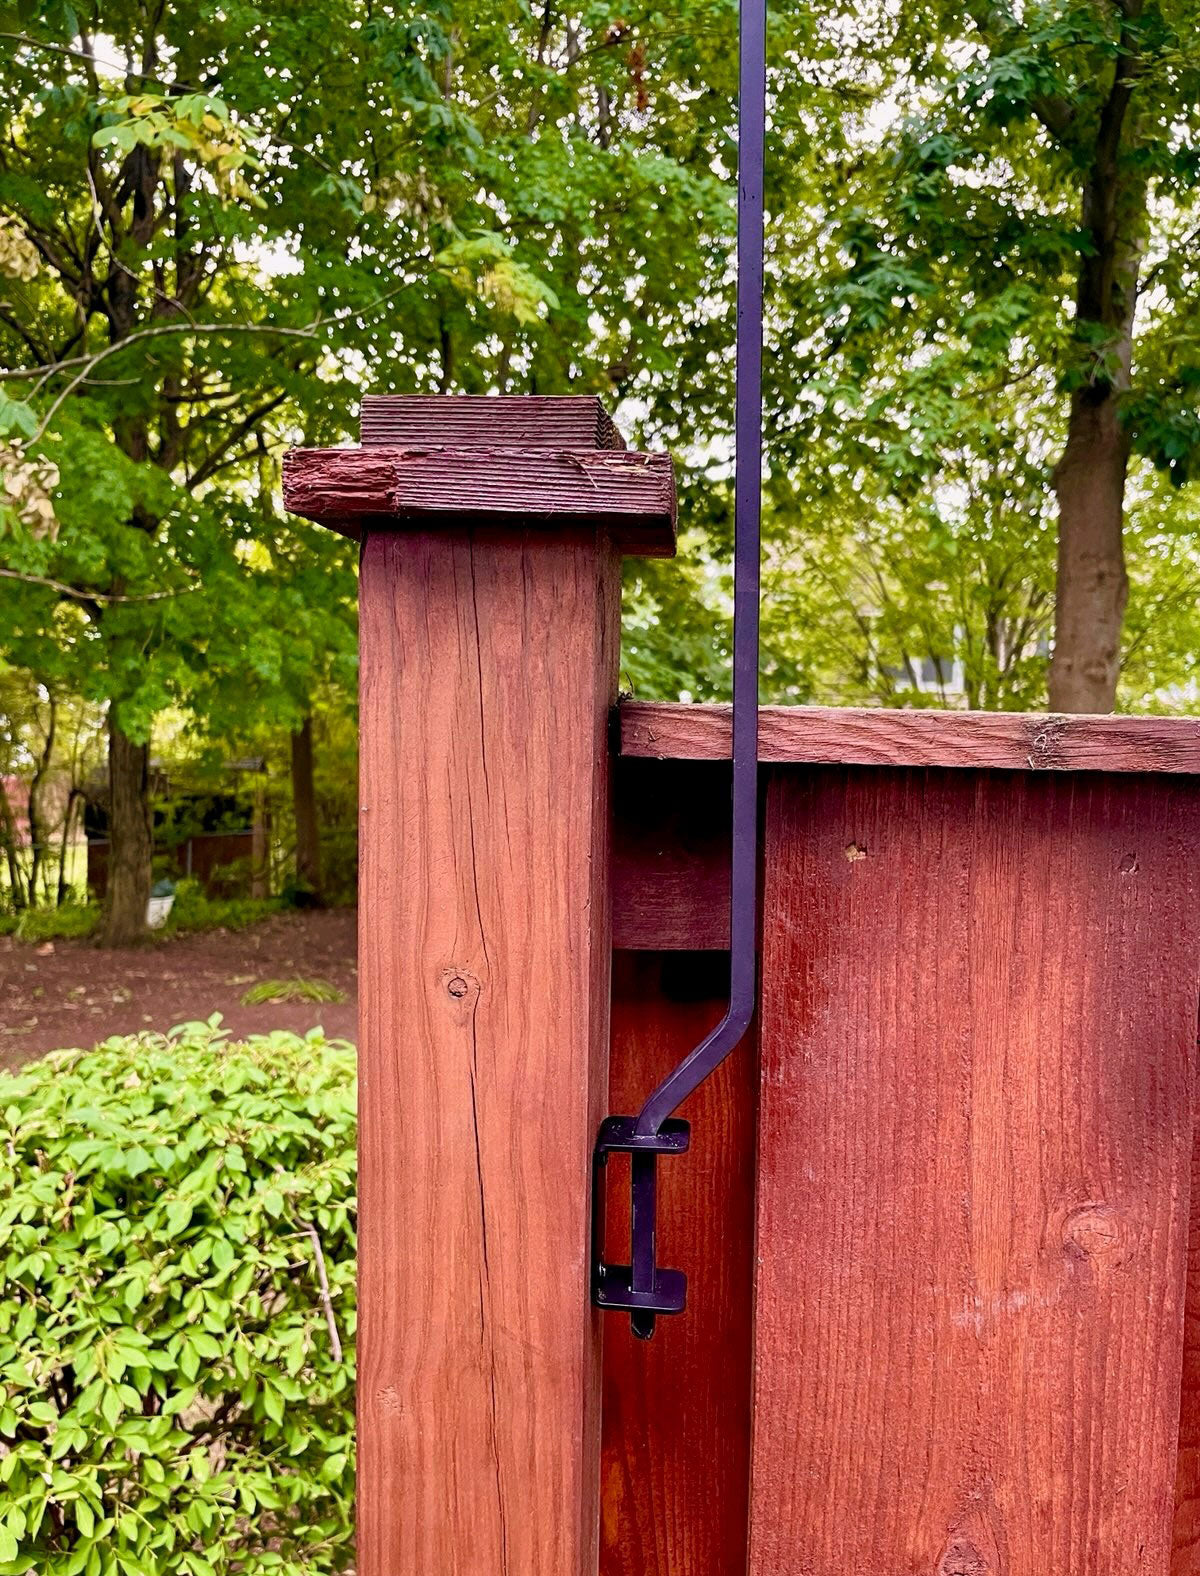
492 532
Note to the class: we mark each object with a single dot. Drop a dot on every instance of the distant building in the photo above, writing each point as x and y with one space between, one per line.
942 676
213 834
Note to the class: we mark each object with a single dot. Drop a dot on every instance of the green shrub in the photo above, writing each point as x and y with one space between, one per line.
71 922
171 1399
194 910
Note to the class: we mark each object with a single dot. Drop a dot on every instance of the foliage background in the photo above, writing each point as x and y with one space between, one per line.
170 1397
220 225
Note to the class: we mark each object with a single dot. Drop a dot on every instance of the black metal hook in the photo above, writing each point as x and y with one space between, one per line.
643 1288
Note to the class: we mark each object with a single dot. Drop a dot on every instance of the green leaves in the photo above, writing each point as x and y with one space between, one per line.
485 263
517 199
192 123
17 419
165 1365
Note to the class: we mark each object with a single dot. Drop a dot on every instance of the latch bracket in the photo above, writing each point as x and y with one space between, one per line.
642 1288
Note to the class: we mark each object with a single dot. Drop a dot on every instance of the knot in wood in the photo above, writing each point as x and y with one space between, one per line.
461 988
962 1558
1095 1231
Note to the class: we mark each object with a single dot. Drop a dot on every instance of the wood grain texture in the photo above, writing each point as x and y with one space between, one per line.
979 1019
1185 1549
856 736
522 421
670 861
630 495
677 1408
488 667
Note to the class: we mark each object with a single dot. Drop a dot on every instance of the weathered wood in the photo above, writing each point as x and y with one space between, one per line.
1005 741
670 860
488 670
978 1035
631 495
677 1409
523 421
1185 1546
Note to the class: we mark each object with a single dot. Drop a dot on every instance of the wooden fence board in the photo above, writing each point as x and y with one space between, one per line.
676 1448
979 1020
870 736
671 850
1185 1551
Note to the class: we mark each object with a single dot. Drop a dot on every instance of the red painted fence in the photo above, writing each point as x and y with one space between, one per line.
943 1309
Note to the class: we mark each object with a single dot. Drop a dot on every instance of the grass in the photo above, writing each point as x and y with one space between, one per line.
73 922
291 990
192 911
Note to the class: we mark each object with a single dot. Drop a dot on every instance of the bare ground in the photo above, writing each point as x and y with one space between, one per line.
72 993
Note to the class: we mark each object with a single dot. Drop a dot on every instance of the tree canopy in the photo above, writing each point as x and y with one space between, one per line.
219 225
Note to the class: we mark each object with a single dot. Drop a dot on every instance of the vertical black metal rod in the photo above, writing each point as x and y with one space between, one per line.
644 1205
752 114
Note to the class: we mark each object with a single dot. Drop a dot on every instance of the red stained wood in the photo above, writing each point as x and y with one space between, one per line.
670 866
523 421
488 669
1005 741
1185 1549
978 1033
630 495
677 1408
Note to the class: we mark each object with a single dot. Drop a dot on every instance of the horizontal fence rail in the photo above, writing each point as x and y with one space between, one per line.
861 736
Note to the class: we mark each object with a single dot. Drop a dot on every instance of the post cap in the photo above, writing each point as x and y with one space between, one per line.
537 460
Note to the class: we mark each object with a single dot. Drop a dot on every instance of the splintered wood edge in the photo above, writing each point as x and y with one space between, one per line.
633 495
856 736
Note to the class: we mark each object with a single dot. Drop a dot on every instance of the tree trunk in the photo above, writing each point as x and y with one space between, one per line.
8 837
1089 480
260 841
130 845
39 831
1092 586
64 848
304 806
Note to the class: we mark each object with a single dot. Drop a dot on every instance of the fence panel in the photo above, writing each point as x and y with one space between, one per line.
978 1035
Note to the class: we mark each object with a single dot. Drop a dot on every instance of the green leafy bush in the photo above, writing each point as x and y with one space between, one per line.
194 910
70 922
172 1396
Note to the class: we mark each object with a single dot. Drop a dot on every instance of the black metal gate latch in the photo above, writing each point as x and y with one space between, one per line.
642 1288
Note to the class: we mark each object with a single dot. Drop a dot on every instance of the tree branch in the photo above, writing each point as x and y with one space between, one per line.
94 598
85 55
158 330
1055 113
208 465
87 364
37 350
